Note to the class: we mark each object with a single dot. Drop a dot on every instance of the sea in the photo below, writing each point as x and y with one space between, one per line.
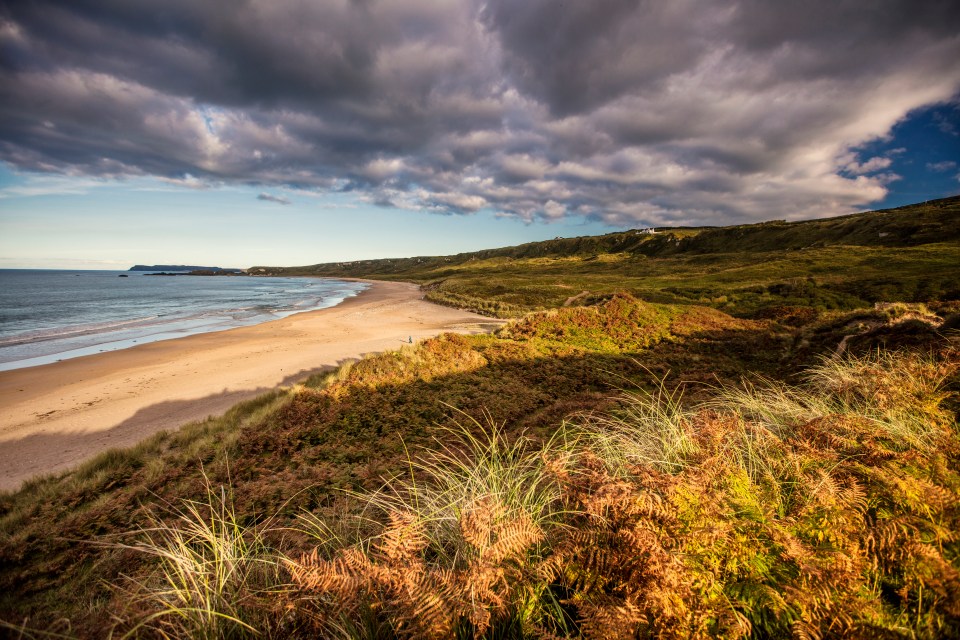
51 315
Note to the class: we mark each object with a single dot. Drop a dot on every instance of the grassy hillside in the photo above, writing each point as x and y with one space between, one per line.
906 254
633 461
276 477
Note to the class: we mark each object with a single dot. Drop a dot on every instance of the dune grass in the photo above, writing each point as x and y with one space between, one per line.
212 573
648 429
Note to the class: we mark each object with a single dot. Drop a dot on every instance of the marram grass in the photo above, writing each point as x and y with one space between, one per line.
212 573
648 430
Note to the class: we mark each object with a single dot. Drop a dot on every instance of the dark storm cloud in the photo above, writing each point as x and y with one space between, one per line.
576 55
218 51
628 111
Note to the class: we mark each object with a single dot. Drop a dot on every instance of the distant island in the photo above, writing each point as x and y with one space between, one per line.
182 268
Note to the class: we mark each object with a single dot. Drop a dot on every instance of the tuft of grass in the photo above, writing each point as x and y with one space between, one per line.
212 572
771 405
651 430
462 538
472 462
902 394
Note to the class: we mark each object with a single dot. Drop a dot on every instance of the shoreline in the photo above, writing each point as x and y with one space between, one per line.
60 414
59 343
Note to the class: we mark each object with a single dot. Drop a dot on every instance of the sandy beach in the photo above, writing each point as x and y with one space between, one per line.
58 415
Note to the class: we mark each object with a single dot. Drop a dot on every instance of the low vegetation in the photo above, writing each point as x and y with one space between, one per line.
907 254
614 466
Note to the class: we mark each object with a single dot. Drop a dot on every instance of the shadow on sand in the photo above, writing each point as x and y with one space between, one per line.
41 454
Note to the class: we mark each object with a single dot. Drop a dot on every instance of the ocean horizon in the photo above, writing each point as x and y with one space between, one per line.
47 315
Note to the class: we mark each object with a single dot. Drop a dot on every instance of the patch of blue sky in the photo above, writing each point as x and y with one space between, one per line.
924 153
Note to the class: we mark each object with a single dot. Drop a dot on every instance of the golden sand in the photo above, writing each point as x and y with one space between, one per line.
58 415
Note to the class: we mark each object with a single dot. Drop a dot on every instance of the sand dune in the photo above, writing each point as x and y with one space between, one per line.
58 415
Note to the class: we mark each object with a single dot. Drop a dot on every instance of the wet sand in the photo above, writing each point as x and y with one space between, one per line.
55 416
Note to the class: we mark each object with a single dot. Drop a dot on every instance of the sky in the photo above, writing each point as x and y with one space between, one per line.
289 132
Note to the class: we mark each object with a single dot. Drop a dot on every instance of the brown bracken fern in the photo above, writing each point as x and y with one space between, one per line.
824 511
424 599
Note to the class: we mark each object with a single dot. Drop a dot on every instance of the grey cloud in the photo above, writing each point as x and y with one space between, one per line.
577 55
94 123
626 111
220 51
267 197
384 202
758 24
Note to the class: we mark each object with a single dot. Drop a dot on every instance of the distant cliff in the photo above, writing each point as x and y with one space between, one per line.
177 267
